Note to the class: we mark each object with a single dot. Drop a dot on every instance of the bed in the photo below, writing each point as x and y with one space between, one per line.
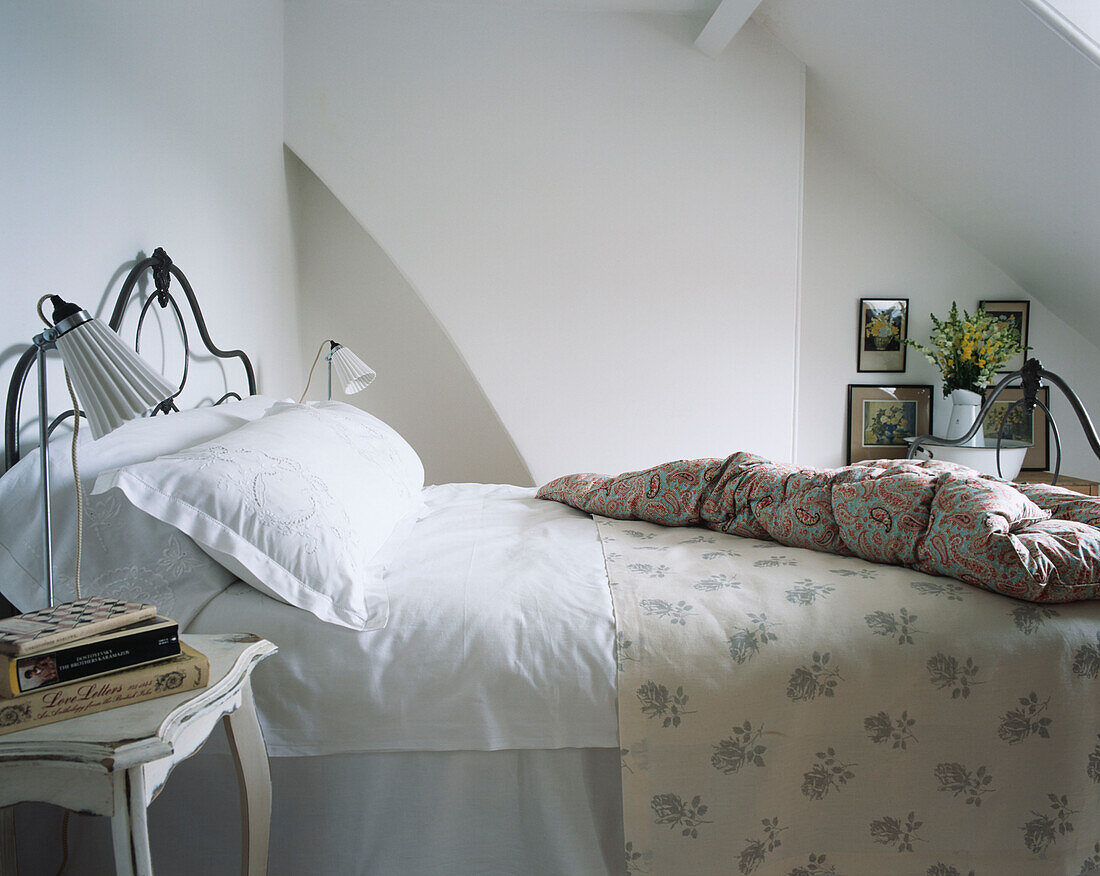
472 679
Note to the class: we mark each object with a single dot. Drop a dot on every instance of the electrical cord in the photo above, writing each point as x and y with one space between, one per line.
312 367
64 842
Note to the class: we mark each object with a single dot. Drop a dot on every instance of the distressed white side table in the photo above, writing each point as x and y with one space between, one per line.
116 761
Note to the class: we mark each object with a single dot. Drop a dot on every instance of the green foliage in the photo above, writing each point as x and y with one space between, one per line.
969 350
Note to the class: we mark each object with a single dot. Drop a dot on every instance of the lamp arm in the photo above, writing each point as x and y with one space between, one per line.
14 405
44 457
332 346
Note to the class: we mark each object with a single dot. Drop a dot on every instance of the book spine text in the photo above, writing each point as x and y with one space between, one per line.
187 672
86 659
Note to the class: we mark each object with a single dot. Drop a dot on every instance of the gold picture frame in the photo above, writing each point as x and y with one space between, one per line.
881 417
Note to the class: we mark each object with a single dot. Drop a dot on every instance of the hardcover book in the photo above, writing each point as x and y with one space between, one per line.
47 628
108 652
189 670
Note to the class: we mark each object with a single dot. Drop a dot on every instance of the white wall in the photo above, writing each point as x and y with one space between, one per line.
602 218
457 435
129 126
863 238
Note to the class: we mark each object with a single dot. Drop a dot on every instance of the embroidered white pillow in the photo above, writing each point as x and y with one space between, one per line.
127 554
297 504
378 442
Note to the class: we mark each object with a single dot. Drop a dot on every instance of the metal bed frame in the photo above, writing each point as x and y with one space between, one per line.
1031 377
163 270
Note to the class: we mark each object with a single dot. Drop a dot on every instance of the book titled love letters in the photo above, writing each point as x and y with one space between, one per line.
188 671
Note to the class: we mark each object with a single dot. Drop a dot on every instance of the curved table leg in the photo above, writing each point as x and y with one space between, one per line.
254 781
129 827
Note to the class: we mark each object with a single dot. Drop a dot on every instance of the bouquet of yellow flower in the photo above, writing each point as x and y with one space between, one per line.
969 350
882 330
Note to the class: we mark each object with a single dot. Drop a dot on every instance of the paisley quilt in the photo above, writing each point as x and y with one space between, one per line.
788 712
1041 543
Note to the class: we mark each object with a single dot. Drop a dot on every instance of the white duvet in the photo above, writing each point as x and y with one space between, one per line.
500 635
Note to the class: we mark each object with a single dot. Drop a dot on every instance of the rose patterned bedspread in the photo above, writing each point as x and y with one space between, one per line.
1036 542
789 711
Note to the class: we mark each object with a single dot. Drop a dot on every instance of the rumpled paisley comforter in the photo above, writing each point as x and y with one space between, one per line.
793 711
1030 541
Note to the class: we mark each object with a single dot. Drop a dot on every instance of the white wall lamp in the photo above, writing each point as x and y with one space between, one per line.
352 373
110 381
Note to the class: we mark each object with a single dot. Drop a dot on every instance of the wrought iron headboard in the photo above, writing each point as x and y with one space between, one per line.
163 270
1031 378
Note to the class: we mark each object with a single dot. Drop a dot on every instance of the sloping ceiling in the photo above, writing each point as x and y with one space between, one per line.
979 111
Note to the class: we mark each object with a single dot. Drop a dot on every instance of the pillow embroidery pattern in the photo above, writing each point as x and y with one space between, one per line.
281 494
298 504
373 441
369 442
120 540
278 490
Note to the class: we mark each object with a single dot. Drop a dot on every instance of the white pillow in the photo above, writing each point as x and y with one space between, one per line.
297 504
127 554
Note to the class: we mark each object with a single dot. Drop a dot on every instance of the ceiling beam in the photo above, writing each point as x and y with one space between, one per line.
1070 29
727 20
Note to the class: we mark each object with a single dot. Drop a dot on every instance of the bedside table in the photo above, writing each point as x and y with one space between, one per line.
116 761
1078 485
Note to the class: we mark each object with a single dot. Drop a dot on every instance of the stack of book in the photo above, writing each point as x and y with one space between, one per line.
89 655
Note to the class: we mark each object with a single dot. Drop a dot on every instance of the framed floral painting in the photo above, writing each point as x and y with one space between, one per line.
1018 313
1029 427
883 328
880 418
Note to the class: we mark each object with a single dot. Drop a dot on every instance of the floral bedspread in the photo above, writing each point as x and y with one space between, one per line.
786 711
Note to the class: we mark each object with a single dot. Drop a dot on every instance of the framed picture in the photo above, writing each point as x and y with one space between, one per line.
880 418
1017 313
1030 427
883 328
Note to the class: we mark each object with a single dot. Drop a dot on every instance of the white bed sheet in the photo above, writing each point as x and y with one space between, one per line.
501 636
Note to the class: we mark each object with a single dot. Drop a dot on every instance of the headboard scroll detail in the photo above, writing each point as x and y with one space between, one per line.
163 270
1030 377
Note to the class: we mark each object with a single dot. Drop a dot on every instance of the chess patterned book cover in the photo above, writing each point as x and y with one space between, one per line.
130 646
37 631
188 671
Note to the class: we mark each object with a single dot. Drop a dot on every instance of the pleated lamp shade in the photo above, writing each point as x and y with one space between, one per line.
352 373
113 383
